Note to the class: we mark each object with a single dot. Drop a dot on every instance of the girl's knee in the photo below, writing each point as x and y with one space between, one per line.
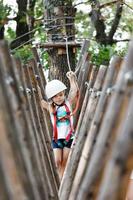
58 163
64 162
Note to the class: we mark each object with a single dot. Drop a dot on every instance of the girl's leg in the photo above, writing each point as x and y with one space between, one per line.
58 154
66 152
130 191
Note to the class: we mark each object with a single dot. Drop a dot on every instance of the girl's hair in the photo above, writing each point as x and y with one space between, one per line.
53 107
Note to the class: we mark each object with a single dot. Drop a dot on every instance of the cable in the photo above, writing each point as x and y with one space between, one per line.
63 17
26 33
61 25
22 44
56 26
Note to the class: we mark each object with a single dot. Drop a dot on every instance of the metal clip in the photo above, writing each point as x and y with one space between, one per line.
129 77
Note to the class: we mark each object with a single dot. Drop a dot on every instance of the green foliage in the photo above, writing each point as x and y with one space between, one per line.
122 51
25 53
4 12
82 22
40 34
39 9
101 55
44 58
84 29
10 34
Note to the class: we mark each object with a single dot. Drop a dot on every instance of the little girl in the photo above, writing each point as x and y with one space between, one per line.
60 109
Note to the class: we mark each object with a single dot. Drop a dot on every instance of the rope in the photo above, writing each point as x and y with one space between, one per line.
68 61
78 94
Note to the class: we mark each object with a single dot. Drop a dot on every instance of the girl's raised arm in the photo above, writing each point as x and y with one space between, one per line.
44 104
73 87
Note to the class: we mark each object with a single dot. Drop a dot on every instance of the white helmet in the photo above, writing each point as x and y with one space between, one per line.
54 87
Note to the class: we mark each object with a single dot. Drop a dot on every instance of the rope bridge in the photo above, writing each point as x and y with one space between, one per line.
100 161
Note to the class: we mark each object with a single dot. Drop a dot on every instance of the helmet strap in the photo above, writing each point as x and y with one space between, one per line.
55 104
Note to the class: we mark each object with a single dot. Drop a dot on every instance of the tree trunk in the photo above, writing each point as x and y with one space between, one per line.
60 28
98 21
2 32
22 25
30 14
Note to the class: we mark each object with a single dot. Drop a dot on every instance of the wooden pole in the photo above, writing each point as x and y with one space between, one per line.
82 56
10 182
91 136
39 136
75 154
89 85
108 131
83 78
117 171
39 171
42 83
43 122
18 131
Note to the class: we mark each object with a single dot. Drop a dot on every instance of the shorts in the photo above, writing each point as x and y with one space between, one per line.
61 143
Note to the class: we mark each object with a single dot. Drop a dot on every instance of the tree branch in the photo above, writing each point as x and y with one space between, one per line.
98 22
128 6
80 3
123 40
109 4
116 21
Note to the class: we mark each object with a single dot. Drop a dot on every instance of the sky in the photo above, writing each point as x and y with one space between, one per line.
11 2
82 7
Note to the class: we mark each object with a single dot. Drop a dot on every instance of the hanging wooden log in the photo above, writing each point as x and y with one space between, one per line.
108 132
43 123
117 171
82 57
39 136
36 80
92 79
40 175
75 154
17 132
89 85
30 138
42 83
40 67
91 136
85 71
10 182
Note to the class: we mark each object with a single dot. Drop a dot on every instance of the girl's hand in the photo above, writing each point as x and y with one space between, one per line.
44 104
70 75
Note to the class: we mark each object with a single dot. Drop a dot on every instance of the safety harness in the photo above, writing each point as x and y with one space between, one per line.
66 117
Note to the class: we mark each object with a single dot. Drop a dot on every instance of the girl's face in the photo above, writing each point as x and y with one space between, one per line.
59 98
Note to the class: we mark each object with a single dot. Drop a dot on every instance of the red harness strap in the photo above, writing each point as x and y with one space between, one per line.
55 126
71 126
68 116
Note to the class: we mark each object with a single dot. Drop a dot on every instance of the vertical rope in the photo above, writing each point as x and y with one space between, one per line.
67 52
